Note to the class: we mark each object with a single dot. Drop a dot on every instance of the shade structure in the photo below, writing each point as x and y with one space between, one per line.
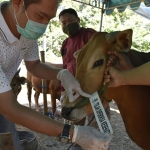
121 5
143 11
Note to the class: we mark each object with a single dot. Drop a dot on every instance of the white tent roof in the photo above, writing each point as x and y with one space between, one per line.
143 11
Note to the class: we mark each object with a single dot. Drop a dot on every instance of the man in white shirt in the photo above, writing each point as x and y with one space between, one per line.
21 23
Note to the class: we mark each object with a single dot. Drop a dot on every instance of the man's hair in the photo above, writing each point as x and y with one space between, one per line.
70 11
28 2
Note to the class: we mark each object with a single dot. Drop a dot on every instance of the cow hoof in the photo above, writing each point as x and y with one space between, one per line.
49 114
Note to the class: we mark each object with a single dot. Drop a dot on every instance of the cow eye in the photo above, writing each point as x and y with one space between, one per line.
98 63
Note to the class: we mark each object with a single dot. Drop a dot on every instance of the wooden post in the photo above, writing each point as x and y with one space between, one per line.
44 85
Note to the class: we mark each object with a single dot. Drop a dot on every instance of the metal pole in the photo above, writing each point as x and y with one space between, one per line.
102 13
44 85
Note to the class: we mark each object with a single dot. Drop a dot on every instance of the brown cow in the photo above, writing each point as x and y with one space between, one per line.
53 88
133 101
16 83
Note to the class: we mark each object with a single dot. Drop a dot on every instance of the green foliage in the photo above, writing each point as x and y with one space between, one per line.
126 20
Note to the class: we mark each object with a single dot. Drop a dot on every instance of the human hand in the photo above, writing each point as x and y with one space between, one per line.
71 85
63 96
91 139
113 77
123 62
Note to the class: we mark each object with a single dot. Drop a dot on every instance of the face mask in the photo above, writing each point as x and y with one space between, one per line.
71 29
33 30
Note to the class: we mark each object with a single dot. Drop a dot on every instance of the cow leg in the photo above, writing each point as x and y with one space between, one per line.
36 97
53 100
29 92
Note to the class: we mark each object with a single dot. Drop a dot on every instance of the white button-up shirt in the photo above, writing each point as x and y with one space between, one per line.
12 52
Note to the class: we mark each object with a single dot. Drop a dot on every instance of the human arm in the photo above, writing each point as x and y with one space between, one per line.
40 123
123 62
27 117
42 70
135 76
71 85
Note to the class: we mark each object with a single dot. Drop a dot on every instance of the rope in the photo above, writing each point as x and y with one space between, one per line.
42 86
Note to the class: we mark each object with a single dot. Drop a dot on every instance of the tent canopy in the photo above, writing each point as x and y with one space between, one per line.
121 5
110 5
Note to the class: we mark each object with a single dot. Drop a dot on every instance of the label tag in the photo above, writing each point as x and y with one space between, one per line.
100 114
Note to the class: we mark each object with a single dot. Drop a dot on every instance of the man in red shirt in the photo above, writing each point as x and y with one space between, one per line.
77 38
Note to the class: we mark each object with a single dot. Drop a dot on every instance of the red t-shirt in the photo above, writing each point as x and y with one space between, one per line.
72 44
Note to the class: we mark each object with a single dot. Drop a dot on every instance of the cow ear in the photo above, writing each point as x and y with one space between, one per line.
17 73
124 40
23 80
111 37
76 53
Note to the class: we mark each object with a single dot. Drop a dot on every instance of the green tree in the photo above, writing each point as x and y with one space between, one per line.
128 19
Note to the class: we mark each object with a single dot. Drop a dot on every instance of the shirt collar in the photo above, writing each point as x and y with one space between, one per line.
4 29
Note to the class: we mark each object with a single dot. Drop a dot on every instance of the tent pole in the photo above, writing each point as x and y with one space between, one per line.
44 85
102 13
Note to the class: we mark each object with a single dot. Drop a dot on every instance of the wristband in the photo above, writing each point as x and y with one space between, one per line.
64 136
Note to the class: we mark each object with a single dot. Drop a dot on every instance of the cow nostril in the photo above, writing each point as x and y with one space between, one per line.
65 112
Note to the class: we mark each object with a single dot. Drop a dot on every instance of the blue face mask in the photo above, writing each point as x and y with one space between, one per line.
33 30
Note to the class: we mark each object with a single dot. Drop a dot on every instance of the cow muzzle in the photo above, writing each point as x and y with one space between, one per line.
73 114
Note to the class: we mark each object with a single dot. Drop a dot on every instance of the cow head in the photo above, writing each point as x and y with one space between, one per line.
16 83
91 63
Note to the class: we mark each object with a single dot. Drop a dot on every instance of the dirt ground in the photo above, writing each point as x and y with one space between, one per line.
120 141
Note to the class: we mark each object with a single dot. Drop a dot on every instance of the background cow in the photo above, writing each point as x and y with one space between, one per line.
16 83
133 101
53 88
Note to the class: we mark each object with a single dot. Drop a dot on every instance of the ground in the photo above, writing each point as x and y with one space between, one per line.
120 141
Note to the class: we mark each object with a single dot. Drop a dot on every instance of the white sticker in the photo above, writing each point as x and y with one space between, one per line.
100 114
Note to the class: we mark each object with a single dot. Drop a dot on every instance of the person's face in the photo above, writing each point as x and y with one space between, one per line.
40 12
67 18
